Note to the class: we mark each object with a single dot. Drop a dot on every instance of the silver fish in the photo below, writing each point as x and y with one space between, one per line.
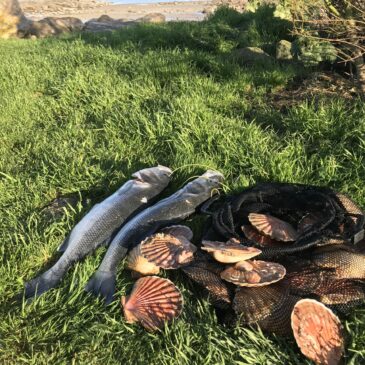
99 224
171 210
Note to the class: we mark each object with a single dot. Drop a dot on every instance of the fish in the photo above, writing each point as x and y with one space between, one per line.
99 224
170 210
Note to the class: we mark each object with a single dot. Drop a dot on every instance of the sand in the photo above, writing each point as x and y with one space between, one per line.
88 9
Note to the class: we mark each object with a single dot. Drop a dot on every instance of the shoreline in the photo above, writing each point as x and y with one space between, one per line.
91 9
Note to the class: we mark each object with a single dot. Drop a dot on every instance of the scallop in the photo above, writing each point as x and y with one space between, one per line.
318 332
254 273
167 251
178 231
229 252
273 227
252 234
153 302
139 265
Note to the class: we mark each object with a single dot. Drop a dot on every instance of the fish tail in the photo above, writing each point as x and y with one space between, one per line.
41 284
102 284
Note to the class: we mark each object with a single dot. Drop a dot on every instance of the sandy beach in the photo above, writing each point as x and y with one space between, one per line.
88 9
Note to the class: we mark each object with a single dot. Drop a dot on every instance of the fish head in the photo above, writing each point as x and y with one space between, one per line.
159 176
205 184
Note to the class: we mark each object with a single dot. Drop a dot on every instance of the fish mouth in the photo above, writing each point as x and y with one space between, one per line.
152 175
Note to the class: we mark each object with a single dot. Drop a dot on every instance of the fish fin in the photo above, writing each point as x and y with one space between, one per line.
102 284
41 284
63 246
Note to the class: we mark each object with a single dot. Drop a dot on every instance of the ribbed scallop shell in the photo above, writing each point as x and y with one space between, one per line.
255 304
229 252
253 235
167 251
273 227
254 273
138 264
178 231
318 332
152 302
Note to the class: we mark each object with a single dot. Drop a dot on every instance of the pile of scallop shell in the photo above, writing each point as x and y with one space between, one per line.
155 301
260 290
257 292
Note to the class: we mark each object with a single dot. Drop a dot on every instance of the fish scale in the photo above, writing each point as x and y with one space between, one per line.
168 211
100 223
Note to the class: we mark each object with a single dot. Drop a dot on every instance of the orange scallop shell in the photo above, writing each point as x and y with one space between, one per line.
139 265
178 231
252 234
254 273
318 332
167 251
152 302
229 252
273 227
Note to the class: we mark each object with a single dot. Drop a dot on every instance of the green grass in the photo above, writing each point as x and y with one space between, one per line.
81 113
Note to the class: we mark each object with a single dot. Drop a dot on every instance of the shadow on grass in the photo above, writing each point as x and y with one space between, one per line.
207 45
223 31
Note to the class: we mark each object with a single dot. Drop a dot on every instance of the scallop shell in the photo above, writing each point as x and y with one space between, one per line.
273 227
152 302
178 231
229 252
167 251
255 304
318 332
253 235
254 273
140 265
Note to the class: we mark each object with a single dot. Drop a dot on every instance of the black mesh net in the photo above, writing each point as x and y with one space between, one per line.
323 261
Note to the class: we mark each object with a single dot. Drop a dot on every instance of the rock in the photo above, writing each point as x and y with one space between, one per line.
250 55
105 23
152 18
12 18
284 50
39 29
64 25
53 26
105 19
210 9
